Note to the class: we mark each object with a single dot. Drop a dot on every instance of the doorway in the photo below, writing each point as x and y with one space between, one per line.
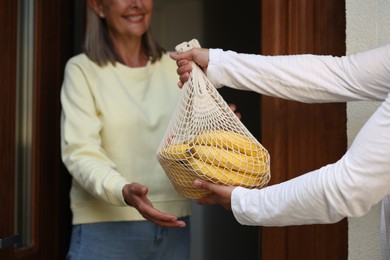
217 24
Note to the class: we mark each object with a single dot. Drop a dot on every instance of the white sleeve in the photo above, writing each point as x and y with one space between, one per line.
347 188
305 78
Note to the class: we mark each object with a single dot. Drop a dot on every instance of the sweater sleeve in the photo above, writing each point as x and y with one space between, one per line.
347 188
305 78
82 151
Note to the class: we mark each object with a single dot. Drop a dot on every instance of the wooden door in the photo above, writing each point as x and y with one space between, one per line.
8 19
45 186
303 137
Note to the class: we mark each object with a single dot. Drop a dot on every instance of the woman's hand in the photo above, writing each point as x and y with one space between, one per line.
233 107
198 55
220 194
135 195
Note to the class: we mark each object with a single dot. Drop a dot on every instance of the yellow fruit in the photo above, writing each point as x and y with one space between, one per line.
176 152
231 140
223 157
192 193
230 159
182 178
221 175
182 175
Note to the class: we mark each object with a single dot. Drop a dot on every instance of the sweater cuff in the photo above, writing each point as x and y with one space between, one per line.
117 192
212 69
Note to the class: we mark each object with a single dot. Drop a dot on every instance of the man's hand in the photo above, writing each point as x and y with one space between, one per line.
197 55
220 194
135 195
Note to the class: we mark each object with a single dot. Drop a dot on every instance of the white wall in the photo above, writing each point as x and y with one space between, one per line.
368 26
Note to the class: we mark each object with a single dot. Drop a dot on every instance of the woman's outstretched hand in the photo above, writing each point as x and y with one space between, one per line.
135 195
198 55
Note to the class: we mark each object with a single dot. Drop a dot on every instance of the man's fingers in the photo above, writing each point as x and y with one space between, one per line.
201 184
181 63
187 55
185 69
184 77
179 56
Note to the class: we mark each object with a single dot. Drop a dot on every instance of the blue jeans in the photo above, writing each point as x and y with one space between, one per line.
133 240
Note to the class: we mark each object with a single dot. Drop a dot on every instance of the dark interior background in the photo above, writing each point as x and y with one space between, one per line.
229 26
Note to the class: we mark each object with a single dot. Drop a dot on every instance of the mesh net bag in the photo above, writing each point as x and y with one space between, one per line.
206 140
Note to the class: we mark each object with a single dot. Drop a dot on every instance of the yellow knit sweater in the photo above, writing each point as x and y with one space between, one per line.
113 120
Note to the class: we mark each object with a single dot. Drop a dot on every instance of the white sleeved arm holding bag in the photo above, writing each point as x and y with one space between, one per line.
347 188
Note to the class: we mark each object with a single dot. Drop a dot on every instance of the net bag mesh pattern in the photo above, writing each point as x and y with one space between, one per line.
206 140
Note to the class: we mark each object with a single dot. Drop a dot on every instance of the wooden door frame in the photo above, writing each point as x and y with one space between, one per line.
54 44
303 137
50 183
8 23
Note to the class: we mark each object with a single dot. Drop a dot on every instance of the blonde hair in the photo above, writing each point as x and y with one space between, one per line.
98 46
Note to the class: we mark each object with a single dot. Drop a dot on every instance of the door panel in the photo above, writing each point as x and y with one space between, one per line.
303 137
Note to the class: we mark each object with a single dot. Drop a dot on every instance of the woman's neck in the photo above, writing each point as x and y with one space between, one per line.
130 52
